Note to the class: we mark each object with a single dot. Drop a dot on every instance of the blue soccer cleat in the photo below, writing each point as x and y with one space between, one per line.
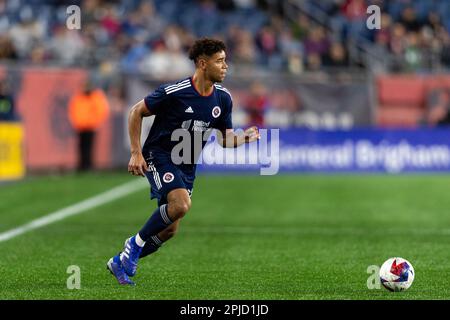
115 267
130 256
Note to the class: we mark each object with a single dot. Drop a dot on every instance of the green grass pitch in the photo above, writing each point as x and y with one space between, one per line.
246 237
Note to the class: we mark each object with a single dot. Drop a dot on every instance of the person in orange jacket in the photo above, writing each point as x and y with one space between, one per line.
88 110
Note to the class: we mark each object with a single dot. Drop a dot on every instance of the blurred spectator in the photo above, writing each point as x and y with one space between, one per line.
413 55
172 39
295 63
208 18
301 26
7 49
256 104
316 42
110 21
445 49
66 46
164 64
409 20
27 32
132 25
433 21
38 55
117 98
354 10
336 56
439 108
288 44
244 49
89 9
292 51
313 62
7 105
136 53
266 41
382 36
397 45
88 110
153 24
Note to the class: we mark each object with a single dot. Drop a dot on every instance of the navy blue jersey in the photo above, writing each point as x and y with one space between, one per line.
181 106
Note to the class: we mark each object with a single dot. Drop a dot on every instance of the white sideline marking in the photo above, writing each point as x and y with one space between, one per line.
90 203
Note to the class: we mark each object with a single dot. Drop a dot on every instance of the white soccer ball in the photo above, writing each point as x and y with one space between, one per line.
397 274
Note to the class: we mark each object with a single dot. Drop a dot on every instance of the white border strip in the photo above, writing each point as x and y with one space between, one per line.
177 84
77 208
178 89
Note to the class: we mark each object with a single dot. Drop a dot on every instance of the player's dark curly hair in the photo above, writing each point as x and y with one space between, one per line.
205 46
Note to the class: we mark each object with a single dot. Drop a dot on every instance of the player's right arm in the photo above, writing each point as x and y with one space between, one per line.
137 165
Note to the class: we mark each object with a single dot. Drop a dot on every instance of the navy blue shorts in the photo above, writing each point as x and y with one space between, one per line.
164 176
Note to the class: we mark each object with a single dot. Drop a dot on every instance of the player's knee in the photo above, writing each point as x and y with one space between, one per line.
179 208
183 207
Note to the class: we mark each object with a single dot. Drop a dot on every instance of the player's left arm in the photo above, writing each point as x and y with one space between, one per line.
229 139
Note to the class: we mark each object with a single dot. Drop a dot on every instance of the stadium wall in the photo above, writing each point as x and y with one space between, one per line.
42 96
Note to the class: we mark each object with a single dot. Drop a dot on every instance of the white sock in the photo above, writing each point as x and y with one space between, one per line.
139 240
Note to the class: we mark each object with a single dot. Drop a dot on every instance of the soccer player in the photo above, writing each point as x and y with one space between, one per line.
195 104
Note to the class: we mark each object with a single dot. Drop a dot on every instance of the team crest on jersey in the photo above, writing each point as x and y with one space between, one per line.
216 112
168 177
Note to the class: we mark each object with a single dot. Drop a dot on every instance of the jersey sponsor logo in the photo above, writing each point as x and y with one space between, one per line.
200 125
168 177
189 110
216 112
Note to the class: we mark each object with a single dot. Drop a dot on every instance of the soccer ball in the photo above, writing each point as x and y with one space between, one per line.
396 274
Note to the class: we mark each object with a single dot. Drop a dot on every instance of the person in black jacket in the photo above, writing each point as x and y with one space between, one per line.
7 105
439 108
